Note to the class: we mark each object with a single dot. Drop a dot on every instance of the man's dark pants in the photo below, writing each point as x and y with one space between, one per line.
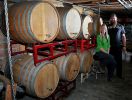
117 53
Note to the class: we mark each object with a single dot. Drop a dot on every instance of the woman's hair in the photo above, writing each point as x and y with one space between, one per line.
106 30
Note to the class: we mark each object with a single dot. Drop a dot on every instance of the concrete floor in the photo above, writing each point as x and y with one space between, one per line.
100 89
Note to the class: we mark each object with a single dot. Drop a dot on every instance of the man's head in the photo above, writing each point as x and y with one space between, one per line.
113 19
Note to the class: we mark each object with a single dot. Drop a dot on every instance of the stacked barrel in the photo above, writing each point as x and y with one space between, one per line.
41 22
40 81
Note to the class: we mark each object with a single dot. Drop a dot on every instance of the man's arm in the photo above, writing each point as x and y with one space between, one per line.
124 41
123 38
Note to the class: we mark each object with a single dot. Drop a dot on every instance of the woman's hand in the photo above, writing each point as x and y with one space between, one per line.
102 49
108 50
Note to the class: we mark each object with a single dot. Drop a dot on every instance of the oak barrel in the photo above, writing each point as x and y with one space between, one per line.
87 27
3 52
86 59
1 10
70 23
32 22
68 66
39 80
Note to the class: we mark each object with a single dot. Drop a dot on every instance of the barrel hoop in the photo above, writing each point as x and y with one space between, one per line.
22 68
25 37
35 75
30 88
80 19
24 21
28 22
64 25
16 25
19 25
65 67
15 29
61 64
14 59
27 68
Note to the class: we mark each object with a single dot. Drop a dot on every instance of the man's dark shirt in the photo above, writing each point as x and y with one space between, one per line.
116 35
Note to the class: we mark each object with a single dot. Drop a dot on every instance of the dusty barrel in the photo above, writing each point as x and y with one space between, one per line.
87 27
3 45
1 10
68 66
86 59
39 80
70 23
98 21
32 22
3 52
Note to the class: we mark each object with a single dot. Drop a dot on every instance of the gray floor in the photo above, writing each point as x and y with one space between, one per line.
100 89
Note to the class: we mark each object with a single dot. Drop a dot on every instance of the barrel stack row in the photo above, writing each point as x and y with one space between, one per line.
41 22
32 22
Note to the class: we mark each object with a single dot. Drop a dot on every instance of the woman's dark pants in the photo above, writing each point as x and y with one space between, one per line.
107 60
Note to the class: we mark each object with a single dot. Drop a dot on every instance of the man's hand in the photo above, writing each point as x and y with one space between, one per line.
124 49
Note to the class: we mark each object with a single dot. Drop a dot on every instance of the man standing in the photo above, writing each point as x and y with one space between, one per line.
117 42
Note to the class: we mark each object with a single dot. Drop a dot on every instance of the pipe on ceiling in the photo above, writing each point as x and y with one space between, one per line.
125 4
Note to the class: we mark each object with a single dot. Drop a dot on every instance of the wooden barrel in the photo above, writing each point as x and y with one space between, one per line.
32 22
39 80
86 59
70 23
68 66
3 52
1 9
98 21
87 27
3 45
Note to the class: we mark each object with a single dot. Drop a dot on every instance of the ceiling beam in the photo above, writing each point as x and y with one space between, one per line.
83 1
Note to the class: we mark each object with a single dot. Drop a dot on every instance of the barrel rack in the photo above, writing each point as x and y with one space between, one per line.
86 44
48 52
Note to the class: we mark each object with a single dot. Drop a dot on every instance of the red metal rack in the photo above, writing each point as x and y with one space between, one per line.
48 51
86 44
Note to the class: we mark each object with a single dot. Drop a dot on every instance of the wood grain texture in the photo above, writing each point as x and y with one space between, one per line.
68 66
40 81
3 52
86 59
33 22
70 23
